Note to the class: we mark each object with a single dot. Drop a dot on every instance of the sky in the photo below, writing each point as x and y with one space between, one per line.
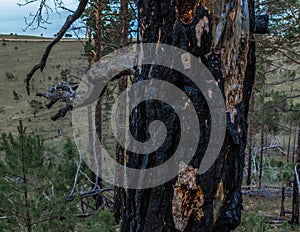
12 17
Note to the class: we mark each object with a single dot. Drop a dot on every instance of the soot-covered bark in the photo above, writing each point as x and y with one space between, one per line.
218 32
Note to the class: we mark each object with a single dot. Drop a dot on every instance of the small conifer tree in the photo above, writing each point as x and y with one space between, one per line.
31 193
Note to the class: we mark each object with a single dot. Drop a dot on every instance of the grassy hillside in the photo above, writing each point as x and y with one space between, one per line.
30 38
19 53
16 59
15 36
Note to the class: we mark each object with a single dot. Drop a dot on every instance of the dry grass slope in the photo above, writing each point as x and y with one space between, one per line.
18 57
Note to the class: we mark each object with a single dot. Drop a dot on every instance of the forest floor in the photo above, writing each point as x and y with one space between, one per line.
262 209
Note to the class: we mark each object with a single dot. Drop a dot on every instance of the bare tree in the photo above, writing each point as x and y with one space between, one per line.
251 136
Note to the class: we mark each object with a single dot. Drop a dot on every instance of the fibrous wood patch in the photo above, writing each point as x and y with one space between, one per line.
218 201
188 197
231 34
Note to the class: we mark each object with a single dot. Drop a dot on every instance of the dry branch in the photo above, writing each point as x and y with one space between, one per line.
62 91
69 21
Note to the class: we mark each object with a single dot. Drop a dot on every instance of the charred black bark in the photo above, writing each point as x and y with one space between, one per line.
295 210
190 26
119 192
151 209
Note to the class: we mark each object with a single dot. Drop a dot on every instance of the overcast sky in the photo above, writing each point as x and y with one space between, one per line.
12 18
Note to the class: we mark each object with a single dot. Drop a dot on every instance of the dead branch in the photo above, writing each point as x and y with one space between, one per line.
69 21
38 16
70 196
283 50
288 56
84 215
62 91
282 82
273 145
95 192
286 98
26 3
66 9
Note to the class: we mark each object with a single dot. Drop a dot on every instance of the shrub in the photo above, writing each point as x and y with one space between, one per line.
10 76
36 106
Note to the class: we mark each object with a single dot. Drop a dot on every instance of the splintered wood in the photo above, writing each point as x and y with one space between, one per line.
188 197
230 32
234 58
218 201
202 25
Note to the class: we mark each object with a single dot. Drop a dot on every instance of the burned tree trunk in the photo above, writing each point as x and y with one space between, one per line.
119 192
98 115
295 210
218 33
262 134
249 173
294 145
289 143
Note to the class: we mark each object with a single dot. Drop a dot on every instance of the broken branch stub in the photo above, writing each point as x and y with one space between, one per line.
63 91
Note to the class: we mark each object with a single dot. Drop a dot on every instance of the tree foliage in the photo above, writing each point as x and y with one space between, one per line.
277 70
284 20
32 189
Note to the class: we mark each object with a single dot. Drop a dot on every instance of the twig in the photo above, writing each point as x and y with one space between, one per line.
70 196
95 192
281 82
86 176
26 3
280 48
38 16
66 9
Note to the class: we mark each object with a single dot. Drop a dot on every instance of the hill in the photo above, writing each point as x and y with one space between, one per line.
18 54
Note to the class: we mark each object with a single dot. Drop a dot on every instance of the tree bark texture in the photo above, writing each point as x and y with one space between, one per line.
294 145
98 115
295 210
251 114
218 33
119 192
262 134
289 143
